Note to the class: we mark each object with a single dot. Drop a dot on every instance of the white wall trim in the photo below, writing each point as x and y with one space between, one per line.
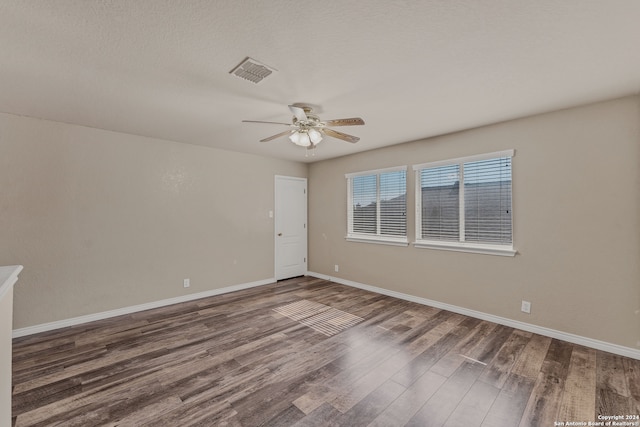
466 159
8 277
565 336
376 171
501 250
44 327
380 240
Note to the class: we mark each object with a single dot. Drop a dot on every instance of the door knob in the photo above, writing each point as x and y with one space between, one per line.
279 234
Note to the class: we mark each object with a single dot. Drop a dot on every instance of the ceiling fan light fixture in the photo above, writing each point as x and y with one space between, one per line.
300 138
304 140
315 136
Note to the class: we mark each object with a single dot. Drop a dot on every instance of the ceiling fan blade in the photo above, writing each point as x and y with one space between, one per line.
345 122
273 123
278 135
299 113
340 135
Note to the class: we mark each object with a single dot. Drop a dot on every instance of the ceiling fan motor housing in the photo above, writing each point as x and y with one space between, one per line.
312 119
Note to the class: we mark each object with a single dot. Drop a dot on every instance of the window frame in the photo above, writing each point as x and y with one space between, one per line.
460 245
367 237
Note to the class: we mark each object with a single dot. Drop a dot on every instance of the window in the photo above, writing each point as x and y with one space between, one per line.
465 204
377 206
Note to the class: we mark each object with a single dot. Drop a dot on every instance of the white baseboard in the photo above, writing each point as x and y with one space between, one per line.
30 330
565 336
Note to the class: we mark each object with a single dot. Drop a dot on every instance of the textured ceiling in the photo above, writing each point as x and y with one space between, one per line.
410 69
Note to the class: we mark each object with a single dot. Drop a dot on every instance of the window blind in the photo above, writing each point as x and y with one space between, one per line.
440 202
393 203
487 201
465 203
365 195
378 203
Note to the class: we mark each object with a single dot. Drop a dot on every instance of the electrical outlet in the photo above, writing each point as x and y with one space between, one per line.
526 307
186 283
336 268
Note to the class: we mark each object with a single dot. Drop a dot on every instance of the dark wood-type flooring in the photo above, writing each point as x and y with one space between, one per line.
231 360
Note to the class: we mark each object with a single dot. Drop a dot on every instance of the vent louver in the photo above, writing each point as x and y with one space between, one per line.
252 70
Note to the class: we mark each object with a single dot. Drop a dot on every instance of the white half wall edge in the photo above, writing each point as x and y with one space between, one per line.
30 330
565 336
8 277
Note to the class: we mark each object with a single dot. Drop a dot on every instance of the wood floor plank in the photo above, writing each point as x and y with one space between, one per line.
544 403
420 364
195 413
401 410
500 367
608 402
486 350
324 415
290 415
348 397
231 360
367 409
441 405
510 404
363 358
632 373
474 407
610 373
277 396
579 394
449 363
88 408
388 368
139 417
85 367
532 357
342 391
313 398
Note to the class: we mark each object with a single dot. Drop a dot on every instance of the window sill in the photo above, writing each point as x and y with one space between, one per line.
499 250
380 240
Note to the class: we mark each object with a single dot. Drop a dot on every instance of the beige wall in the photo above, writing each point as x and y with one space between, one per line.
576 204
103 220
6 311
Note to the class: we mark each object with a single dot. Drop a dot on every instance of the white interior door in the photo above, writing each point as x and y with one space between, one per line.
290 227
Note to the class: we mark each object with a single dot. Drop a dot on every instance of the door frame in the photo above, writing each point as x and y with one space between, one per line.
280 178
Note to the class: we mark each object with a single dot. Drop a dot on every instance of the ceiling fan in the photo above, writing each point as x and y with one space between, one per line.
307 130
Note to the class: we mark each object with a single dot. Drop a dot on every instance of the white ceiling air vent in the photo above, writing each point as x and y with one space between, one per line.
252 70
